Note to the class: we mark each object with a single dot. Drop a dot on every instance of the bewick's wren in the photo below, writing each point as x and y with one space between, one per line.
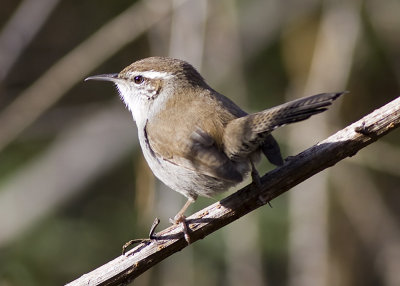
195 140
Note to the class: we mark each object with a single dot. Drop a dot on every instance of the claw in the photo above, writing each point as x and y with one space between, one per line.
152 236
181 219
254 175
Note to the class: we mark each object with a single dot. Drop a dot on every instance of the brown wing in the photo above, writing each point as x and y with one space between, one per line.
189 134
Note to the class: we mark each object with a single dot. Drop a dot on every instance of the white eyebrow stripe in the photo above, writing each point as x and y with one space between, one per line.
155 74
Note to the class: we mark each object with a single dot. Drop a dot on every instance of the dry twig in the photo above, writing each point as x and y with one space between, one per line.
296 169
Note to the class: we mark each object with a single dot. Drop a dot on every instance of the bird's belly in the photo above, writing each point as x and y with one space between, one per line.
183 180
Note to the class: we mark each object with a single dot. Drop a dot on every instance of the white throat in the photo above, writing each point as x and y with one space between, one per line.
142 107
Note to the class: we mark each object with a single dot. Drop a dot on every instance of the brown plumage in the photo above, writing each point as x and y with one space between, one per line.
197 141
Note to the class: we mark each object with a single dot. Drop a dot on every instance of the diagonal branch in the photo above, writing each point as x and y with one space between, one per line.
345 143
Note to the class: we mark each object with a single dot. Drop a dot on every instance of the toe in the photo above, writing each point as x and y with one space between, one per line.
177 219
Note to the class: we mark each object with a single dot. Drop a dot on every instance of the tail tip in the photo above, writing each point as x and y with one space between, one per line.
335 95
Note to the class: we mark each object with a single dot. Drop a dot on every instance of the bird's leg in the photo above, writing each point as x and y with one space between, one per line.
180 215
254 175
180 218
141 240
256 178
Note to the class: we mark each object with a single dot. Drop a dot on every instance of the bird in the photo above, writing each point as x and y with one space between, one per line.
197 141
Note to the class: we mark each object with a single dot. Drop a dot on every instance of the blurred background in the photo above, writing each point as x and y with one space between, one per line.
74 186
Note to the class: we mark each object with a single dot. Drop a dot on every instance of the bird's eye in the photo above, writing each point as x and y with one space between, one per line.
138 79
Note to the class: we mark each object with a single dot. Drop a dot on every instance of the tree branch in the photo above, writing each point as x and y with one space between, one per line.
345 143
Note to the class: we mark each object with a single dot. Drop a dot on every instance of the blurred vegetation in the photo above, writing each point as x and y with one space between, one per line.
73 183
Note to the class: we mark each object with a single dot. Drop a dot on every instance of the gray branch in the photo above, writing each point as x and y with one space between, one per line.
345 143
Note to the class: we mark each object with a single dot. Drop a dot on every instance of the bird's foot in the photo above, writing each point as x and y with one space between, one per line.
255 176
181 219
152 236
256 180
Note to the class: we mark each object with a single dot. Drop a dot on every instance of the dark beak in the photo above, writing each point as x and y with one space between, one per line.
105 77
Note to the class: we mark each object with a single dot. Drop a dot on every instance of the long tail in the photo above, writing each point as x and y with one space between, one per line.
254 128
290 112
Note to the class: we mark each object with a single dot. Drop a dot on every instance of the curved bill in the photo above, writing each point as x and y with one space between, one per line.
104 77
